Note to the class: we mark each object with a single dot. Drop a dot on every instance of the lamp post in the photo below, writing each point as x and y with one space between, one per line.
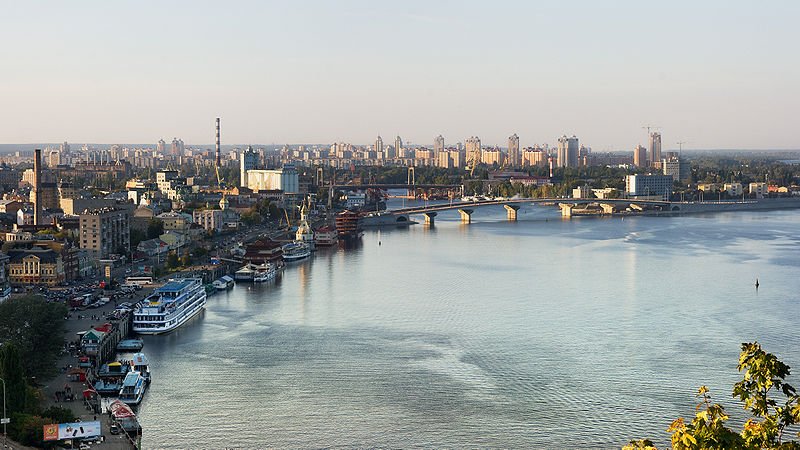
4 419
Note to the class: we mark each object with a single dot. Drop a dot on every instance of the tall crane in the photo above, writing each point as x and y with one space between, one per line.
680 146
648 127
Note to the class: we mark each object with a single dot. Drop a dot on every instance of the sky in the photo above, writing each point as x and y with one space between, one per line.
714 74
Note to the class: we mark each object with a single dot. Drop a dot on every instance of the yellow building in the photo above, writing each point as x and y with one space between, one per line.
35 266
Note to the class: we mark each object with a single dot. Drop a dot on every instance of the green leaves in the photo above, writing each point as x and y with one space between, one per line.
763 391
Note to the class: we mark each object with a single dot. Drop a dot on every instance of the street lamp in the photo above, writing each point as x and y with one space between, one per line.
4 419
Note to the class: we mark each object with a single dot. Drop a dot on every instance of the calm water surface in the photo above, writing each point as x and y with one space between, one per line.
542 333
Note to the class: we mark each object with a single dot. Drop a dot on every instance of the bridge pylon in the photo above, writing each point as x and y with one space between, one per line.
429 216
512 211
466 215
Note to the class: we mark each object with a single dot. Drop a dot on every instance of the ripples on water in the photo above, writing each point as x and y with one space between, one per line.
539 333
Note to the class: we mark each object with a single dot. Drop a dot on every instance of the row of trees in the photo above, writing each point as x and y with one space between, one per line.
32 336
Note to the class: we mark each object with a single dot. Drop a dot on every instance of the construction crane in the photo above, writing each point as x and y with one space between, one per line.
648 127
680 146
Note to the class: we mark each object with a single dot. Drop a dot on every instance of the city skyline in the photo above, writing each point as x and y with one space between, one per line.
714 74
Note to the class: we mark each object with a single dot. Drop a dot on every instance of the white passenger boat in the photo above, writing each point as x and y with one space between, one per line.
264 272
170 306
133 388
141 365
295 251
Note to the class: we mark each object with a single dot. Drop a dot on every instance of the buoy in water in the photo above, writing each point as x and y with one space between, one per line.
756 283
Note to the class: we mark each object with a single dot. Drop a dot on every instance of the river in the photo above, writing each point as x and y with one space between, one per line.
537 333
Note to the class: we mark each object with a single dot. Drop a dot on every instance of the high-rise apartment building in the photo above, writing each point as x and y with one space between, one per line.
161 147
398 146
438 145
513 151
655 148
473 149
568 149
492 156
379 146
640 156
104 231
534 157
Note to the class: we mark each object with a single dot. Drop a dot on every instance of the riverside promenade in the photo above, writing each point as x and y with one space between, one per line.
79 321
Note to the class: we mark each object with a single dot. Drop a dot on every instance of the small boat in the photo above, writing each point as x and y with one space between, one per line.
223 283
123 415
113 370
141 365
107 387
295 251
133 387
130 345
264 272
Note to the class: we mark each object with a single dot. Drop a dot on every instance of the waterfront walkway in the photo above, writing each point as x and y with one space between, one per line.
82 321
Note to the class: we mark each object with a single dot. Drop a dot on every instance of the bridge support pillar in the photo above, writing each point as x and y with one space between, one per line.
512 211
429 218
566 209
608 208
466 215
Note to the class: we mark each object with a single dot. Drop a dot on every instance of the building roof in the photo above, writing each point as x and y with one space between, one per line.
44 255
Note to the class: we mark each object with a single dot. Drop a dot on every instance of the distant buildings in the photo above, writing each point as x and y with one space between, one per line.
513 150
438 146
568 150
655 148
640 156
285 179
248 160
648 185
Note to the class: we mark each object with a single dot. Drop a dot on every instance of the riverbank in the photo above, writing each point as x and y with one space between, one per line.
67 392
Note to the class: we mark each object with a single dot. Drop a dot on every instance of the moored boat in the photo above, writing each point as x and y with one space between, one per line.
295 251
246 273
113 370
107 387
124 416
223 283
264 272
140 364
133 387
130 345
349 225
170 306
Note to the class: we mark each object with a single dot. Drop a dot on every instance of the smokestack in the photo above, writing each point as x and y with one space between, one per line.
37 179
218 150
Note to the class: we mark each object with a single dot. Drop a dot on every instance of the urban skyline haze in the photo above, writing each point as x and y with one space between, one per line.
716 74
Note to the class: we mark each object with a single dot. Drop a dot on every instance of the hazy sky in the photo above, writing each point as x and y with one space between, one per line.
718 74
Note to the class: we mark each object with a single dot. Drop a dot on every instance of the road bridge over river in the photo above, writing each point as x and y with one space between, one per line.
569 207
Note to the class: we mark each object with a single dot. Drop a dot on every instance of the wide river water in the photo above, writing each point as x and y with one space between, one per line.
540 333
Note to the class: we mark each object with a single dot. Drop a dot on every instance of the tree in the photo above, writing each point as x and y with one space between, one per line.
19 397
155 228
35 327
763 380
172 260
251 217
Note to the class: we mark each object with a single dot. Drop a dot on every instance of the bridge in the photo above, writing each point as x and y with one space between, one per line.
569 207
361 187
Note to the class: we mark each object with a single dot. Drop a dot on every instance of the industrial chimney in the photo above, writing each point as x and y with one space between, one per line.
37 180
218 149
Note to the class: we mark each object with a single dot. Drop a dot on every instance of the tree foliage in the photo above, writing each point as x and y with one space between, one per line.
35 327
773 404
155 228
